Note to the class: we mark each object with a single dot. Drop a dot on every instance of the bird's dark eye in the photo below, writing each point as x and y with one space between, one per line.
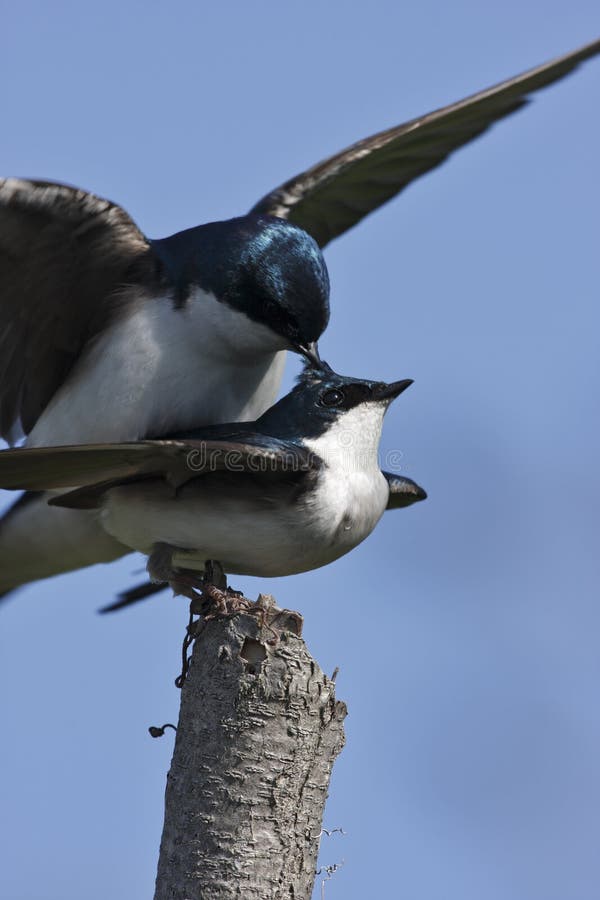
332 398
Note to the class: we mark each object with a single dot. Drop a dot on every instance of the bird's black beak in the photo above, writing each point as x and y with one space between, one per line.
311 353
391 391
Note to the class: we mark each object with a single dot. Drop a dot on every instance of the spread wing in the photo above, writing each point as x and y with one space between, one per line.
65 257
403 491
92 465
334 195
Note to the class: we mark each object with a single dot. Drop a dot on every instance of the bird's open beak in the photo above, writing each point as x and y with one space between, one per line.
391 391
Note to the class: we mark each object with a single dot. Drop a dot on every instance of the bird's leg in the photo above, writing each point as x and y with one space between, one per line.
160 569
227 602
208 591
214 574
214 586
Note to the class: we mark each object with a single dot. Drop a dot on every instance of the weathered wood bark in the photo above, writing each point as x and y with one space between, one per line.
259 730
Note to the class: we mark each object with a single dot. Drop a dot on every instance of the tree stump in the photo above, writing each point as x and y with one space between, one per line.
259 730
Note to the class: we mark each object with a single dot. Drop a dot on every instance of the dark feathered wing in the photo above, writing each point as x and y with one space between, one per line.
334 195
52 468
65 258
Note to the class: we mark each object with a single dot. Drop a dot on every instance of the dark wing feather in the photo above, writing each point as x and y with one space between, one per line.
133 595
52 468
334 195
403 491
65 257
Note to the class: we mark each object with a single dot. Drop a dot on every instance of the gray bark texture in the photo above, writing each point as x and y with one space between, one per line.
259 730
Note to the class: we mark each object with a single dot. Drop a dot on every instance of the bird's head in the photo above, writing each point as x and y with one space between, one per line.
333 413
267 275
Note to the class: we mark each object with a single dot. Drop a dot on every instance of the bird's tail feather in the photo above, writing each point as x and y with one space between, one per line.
133 595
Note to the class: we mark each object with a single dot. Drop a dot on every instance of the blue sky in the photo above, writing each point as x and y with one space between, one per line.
466 629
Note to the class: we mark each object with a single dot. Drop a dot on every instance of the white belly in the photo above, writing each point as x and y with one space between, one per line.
254 532
160 370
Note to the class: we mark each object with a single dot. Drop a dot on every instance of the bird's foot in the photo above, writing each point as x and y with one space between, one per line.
213 602
212 598
208 591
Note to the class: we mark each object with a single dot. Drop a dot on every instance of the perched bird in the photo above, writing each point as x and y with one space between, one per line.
290 492
106 335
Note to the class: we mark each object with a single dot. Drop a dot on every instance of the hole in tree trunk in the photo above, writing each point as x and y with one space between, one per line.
253 654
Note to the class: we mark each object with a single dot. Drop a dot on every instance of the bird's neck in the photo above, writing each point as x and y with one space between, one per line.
350 444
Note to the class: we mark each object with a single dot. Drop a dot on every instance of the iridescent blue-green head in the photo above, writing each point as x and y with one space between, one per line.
263 267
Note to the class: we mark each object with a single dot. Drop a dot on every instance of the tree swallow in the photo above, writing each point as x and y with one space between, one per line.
166 334
106 335
290 492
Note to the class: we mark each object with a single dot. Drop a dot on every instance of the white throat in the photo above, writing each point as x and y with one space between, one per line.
351 444
352 493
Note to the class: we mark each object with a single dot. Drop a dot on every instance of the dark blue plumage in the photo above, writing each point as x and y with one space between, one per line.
262 266
318 398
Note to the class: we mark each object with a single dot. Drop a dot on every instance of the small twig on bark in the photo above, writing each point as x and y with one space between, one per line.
156 731
330 831
329 871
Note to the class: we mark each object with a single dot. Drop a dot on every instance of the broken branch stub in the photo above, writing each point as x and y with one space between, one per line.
259 730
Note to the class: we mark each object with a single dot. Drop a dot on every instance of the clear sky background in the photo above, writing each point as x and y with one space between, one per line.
467 629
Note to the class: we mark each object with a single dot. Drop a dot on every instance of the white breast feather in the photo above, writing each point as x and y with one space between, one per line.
352 491
158 369
261 539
